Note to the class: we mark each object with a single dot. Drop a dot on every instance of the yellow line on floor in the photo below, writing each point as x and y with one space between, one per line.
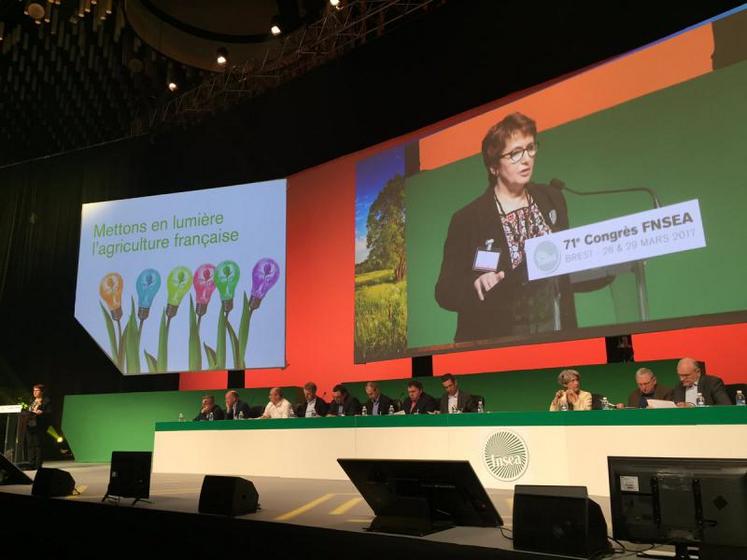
80 489
304 508
345 506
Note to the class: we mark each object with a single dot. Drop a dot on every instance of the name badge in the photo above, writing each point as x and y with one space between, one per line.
486 260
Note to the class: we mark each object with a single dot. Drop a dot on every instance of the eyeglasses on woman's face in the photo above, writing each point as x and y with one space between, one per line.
517 154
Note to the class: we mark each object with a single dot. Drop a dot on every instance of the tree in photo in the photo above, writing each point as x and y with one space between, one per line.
386 230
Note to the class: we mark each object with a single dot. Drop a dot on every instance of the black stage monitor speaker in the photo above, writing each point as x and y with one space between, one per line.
228 495
10 474
418 497
129 476
558 520
52 483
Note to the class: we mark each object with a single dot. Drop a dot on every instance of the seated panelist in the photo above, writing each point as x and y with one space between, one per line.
313 404
571 395
278 407
693 382
419 402
377 404
648 388
235 407
343 403
454 399
207 407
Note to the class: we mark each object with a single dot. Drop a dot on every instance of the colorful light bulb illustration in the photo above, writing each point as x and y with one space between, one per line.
264 276
226 277
204 283
177 285
147 285
110 290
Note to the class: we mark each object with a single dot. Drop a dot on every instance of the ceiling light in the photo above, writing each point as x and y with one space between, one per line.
221 55
173 86
275 30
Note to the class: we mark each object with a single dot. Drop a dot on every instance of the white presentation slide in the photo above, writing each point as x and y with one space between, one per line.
188 281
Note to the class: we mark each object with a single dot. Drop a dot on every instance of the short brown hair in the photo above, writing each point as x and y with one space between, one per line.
498 135
310 386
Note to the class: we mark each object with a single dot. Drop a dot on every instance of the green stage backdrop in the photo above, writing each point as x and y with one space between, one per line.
533 389
96 425
685 142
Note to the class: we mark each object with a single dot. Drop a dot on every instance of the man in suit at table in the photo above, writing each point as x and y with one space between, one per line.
694 381
377 403
454 399
343 404
419 401
236 408
313 405
648 388
208 405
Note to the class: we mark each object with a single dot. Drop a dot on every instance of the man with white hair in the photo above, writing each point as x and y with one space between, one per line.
648 388
694 382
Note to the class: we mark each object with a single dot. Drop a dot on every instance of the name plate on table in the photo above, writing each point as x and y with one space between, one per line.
10 409
662 231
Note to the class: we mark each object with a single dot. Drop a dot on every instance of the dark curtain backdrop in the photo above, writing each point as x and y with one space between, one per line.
460 56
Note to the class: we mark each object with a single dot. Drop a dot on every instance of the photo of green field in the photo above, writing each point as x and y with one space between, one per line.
380 315
380 259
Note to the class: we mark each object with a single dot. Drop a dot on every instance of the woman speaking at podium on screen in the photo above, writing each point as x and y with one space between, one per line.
483 273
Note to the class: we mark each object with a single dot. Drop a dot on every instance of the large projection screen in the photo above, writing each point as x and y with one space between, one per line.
664 126
189 281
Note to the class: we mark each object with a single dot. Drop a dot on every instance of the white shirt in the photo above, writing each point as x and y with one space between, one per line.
280 410
311 408
691 393
453 400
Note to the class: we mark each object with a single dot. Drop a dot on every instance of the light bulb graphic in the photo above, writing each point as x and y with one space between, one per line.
110 290
147 285
204 283
264 276
226 277
177 285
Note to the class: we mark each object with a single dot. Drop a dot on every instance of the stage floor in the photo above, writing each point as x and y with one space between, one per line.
328 504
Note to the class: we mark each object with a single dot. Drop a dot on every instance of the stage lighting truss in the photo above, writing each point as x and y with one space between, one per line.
342 28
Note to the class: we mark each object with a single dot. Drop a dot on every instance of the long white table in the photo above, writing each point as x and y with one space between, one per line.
504 448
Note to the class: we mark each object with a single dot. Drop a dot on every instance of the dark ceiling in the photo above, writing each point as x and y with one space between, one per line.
73 81
75 73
